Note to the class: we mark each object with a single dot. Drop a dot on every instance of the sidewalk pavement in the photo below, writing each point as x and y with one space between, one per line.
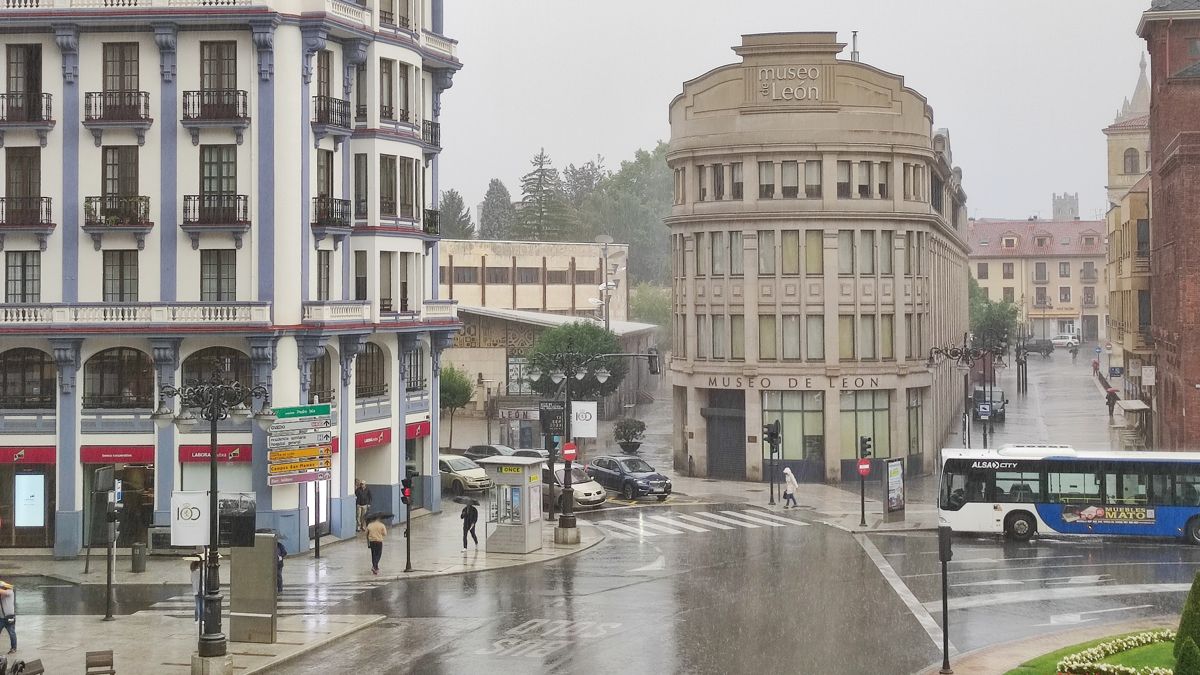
436 550
1000 659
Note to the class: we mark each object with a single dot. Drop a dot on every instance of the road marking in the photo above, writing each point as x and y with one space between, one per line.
752 519
1064 593
994 582
767 514
1068 619
653 527
717 516
702 521
673 523
627 528
1003 560
932 629
1035 568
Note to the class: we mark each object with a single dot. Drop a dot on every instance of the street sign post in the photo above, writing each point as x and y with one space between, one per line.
553 415
299 439
985 411
300 450
569 452
864 467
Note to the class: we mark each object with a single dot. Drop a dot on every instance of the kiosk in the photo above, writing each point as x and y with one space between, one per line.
514 514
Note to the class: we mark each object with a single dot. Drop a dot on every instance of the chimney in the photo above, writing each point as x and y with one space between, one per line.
854 46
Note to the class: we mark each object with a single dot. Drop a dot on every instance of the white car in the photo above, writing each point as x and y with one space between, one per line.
1064 340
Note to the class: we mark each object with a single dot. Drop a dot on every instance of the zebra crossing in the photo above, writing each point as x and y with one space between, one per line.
293 601
698 522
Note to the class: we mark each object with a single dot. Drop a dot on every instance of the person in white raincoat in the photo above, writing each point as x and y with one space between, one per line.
789 488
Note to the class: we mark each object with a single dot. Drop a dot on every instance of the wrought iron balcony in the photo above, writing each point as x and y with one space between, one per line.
393 114
117 110
1090 302
431 133
331 117
215 109
360 112
330 217
129 214
216 213
26 111
432 223
31 215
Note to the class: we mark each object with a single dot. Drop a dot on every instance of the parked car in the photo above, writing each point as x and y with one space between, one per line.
481 451
1064 340
999 403
588 493
533 452
460 475
630 476
1043 347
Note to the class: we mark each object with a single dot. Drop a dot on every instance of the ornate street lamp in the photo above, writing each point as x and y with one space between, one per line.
213 400
964 357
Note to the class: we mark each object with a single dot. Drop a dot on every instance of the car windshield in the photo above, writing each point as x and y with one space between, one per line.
504 449
636 466
460 463
577 475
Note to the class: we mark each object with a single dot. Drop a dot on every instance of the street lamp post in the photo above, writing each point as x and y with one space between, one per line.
213 400
964 357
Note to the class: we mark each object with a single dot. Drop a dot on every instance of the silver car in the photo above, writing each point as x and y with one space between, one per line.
588 493
460 475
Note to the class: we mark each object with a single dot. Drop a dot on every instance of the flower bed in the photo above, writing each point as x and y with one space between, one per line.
1088 661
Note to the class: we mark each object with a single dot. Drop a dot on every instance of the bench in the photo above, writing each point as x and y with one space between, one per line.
99 663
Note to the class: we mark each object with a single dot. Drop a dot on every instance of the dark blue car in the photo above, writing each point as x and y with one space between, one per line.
630 476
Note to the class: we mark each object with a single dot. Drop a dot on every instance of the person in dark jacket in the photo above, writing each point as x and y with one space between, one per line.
1112 402
280 553
469 515
362 504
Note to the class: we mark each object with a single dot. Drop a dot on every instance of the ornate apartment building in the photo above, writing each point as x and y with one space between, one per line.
242 185
819 254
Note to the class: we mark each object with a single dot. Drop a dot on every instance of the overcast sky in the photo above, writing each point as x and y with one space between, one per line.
1025 86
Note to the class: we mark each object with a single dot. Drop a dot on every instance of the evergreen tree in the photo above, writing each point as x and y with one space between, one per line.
497 216
1189 621
1188 661
456 217
579 183
543 215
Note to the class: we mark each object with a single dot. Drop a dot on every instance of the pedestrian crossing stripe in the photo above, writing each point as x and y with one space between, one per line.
697 521
293 598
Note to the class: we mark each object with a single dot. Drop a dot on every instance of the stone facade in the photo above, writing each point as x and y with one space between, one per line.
818 254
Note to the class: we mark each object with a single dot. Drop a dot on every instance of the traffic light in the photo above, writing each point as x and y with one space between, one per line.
652 361
406 490
864 446
772 435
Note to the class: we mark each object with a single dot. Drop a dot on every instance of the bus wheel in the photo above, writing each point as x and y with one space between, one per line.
1193 531
1020 527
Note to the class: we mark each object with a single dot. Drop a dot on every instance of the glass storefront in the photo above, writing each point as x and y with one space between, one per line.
866 413
27 505
318 509
135 494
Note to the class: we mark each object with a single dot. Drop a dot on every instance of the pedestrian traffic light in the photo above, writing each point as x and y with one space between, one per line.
771 434
113 517
864 446
652 361
406 490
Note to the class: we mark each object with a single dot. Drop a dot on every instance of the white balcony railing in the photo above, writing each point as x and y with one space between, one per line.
349 10
440 310
336 311
136 313
442 44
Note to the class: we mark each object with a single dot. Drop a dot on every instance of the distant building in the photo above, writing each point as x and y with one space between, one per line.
1171 29
1052 270
1129 140
818 253
1066 206
555 277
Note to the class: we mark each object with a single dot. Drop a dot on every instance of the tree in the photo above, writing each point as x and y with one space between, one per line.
652 304
581 339
543 215
456 217
989 317
579 183
1188 661
1189 621
454 390
497 216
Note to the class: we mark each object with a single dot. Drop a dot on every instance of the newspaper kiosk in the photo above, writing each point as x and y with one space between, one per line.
515 510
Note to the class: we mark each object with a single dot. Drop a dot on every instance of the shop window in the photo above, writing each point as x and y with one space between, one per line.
370 372
802 416
118 378
227 363
27 379
866 413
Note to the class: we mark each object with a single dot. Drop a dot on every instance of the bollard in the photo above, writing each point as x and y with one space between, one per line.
139 557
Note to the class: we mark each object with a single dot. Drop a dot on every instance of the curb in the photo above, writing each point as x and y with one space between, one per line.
427 574
310 646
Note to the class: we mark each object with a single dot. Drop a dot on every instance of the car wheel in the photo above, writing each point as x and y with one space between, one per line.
456 488
1193 531
629 492
1020 526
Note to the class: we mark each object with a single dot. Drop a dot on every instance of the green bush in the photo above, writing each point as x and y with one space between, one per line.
629 430
1188 661
1189 621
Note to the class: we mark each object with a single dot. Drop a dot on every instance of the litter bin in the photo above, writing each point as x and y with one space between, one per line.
139 557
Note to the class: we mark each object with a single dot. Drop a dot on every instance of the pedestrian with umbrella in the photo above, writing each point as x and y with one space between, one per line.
376 533
1112 400
470 516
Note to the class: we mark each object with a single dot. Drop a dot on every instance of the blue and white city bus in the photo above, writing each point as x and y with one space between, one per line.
1021 490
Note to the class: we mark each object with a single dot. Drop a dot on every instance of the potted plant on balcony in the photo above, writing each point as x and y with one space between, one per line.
629 433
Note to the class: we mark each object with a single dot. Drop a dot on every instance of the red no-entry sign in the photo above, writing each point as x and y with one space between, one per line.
568 452
864 467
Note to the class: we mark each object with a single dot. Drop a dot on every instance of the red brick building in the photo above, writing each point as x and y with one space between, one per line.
1171 29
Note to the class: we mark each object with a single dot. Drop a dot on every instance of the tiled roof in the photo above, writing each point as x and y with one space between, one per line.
1133 123
986 235
621 328
1173 5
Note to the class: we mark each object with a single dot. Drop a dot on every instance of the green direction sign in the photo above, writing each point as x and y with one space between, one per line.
318 410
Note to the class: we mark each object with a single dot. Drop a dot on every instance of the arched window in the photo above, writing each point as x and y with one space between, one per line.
118 378
229 363
1131 160
27 379
321 389
370 372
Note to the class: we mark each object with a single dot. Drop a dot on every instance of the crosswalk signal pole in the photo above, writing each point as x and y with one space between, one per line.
864 452
406 497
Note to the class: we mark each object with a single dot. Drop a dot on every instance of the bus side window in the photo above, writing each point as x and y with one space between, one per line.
1160 489
1187 490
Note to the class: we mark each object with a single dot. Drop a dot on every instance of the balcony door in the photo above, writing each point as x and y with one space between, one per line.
24 83
218 184
120 183
218 80
22 185
121 101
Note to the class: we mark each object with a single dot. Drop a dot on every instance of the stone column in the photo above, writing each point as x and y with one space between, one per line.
67 39
697 429
755 464
166 362
168 224
68 515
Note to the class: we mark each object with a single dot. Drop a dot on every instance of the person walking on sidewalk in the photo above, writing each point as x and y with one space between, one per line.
470 516
1112 402
362 504
8 614
280 553
1095 367
789 488
376 533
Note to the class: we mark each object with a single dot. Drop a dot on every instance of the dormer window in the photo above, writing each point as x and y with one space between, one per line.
1010 242
1089 241
1041 242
